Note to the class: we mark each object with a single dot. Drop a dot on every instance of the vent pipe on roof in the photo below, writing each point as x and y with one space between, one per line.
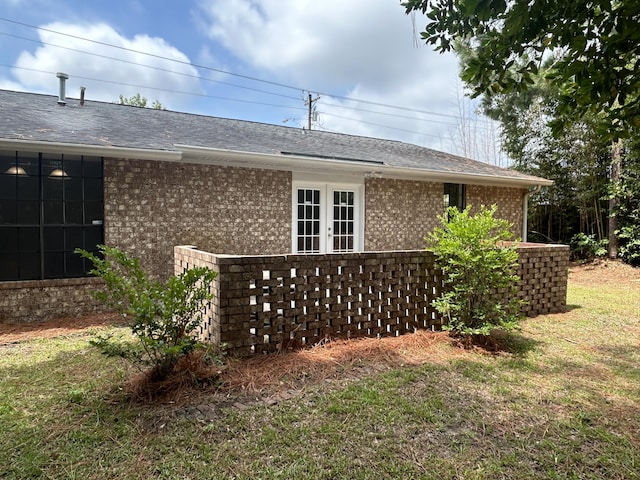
62 99
82 90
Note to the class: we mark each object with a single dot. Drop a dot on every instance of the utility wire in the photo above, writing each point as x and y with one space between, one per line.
386 126
160 89
199 77
247 77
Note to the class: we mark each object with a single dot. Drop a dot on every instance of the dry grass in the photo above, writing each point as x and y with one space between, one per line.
560 402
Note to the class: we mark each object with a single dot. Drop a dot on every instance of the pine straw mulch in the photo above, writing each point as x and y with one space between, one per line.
336 360
59 327
267 375
604 271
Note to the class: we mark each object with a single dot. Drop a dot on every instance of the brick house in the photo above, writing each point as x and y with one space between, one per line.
78 173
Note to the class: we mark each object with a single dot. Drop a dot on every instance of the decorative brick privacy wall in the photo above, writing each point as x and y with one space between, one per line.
37 300
271 303
508 200
543 272
186 257
398 213
151 206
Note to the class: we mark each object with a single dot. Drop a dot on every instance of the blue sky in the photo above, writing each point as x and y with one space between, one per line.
208 56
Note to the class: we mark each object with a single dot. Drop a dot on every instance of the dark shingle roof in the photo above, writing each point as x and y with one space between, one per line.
38 118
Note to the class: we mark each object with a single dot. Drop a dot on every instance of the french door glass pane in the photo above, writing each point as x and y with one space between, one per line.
343 221
308 208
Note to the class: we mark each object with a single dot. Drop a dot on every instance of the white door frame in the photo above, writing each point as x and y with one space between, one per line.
326 189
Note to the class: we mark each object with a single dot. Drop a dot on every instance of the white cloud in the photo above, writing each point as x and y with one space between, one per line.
357 48
104 77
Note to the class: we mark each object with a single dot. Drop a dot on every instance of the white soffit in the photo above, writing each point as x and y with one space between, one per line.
313 165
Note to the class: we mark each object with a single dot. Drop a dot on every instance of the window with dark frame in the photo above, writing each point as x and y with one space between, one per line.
455 195
50 204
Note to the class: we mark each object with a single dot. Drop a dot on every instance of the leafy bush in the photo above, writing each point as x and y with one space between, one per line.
586 247
479 271
163 316
629 236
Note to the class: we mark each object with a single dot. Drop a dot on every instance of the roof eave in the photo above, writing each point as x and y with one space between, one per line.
302 164
94 150
294 163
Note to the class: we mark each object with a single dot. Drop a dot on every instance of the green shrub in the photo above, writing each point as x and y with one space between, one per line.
163 316
629 236
586 247
480 291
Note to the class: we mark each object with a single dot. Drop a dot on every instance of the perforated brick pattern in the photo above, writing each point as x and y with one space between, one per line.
272 303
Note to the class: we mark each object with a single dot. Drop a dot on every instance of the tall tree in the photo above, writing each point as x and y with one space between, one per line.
595 44
588 52
576 159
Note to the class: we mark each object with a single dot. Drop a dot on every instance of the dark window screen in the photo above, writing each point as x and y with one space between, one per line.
49 206
454 195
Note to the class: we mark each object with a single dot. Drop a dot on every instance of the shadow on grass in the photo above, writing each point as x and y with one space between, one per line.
518 344
622 360
500 341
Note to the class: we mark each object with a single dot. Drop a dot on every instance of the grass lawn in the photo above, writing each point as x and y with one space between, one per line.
564 403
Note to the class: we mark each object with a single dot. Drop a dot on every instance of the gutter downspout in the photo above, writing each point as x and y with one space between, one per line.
525 210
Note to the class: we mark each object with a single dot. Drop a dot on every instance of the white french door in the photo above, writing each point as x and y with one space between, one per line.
327 218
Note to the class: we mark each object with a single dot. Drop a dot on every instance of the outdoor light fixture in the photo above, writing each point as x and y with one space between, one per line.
16 170
59 173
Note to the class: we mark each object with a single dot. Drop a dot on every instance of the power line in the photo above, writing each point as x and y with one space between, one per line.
247 77
386 126
233 85
159 89
217 70
199 77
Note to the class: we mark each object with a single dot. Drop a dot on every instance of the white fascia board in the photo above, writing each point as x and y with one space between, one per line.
310 165
93 150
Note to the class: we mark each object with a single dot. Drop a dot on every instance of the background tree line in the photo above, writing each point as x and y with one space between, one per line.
561 79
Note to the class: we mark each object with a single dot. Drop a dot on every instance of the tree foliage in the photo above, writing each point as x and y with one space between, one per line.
476 265
163 316
576 158
138 100
561 79
594 46
627 190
